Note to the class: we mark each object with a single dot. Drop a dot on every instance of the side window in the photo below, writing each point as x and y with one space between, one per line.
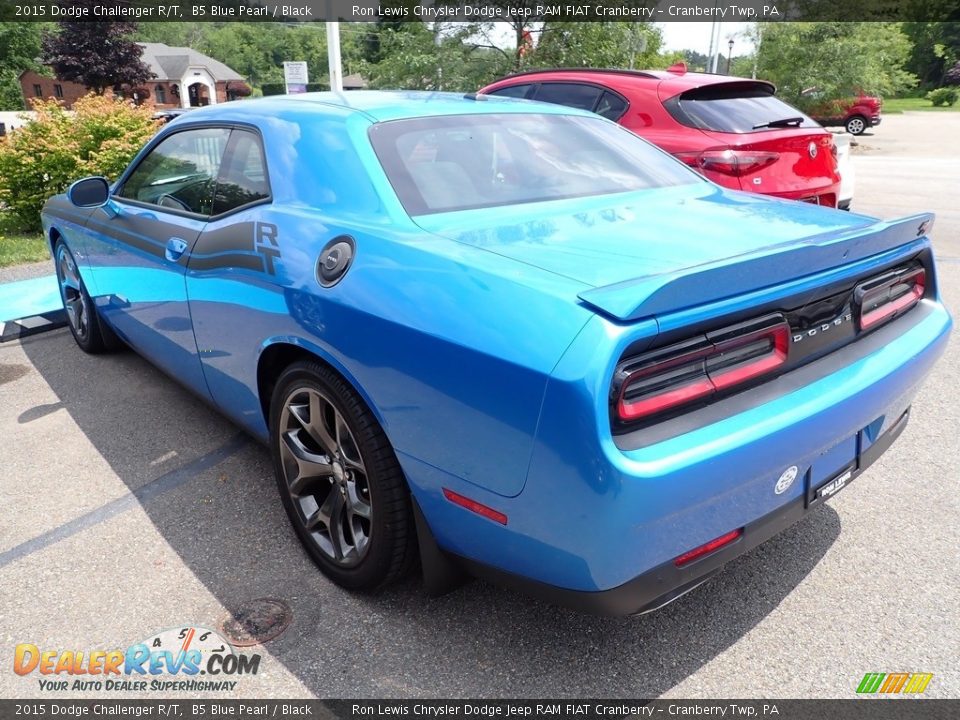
611 106
573 95
180 173
243 176
514 91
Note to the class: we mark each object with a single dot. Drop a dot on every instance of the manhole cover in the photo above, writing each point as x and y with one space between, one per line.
257 622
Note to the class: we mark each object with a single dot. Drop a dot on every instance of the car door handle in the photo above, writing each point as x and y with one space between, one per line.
175 248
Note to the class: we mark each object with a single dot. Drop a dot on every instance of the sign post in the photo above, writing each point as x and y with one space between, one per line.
295 77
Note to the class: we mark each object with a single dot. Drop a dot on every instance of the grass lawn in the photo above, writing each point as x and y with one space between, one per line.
898 105
17 248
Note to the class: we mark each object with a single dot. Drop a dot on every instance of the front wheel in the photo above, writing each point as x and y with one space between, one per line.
339 479
856 125
89 332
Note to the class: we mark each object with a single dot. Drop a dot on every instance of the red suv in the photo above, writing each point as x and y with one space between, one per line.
856 114
734 131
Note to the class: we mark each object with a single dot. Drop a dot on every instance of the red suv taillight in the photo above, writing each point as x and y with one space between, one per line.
694 370
729 162
888 296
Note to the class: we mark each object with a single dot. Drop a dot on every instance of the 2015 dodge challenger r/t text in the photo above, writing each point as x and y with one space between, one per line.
510 338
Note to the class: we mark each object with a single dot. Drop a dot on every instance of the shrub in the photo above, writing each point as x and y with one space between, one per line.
43 157
943 96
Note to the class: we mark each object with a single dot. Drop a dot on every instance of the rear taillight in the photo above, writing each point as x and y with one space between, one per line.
729 162
693 371
888 296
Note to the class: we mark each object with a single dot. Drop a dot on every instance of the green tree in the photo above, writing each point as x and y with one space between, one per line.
835 58
19 51
936 48
442 56
599 45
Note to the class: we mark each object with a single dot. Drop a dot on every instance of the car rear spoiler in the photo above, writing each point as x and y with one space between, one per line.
650 295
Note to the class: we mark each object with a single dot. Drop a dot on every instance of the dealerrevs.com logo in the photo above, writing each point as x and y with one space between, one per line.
187 659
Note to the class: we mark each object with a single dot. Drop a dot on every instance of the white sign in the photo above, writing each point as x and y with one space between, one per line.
295 76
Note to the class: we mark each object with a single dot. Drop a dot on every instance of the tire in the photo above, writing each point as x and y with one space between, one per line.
339 479
91 334
856 125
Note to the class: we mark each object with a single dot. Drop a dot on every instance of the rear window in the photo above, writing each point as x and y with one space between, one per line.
459 162
736 108
582 97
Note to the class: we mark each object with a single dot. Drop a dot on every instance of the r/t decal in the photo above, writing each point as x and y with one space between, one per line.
265 243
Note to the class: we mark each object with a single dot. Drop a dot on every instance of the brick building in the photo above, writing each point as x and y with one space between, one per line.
181 78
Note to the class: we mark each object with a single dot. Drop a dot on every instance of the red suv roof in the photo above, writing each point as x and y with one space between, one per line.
670 82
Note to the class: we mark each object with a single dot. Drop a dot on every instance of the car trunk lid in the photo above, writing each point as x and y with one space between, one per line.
796 160
647 252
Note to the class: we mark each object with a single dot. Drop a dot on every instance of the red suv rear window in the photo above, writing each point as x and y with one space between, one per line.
735 107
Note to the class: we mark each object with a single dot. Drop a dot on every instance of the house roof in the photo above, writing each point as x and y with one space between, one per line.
171 63
355 80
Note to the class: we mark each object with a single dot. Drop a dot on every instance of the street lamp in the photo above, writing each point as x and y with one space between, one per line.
729 54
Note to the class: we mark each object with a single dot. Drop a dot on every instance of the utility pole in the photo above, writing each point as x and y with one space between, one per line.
714 43
333 56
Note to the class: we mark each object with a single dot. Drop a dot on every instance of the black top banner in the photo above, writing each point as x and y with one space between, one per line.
513 11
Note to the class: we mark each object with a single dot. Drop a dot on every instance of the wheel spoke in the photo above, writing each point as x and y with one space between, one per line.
335 523
72 312
310 467
318 424
357 505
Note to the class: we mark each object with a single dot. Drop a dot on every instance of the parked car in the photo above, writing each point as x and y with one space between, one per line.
855 114
167 114
514 338
734 131
843 143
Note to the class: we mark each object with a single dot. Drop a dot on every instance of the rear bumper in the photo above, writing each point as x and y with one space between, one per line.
601 519
667 582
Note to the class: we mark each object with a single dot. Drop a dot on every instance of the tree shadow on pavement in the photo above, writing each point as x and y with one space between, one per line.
229 528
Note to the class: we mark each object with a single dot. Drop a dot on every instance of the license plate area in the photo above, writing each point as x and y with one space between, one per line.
833 486
832 470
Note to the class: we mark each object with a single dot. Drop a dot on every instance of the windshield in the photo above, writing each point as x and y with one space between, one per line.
459 162
737 108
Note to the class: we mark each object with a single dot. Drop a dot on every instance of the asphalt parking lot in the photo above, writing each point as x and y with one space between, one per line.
128 507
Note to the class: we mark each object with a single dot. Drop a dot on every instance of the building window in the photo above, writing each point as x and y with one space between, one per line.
161 95
58 90
37 91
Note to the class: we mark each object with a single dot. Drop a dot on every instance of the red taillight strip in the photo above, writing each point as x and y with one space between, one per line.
474 506
631 410
879 314
729 162
707 548
780 339
711 379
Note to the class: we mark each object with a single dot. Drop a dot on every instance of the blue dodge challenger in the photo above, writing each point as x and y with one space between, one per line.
509 339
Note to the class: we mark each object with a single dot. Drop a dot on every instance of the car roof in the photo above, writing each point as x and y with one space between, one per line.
379 106
670 82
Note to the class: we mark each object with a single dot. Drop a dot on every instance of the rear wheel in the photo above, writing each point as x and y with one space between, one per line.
339 479
856 125
89 332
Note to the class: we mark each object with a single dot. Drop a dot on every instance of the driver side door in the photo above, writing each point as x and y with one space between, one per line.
141 241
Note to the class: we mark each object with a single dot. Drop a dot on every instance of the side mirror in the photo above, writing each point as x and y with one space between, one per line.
89 192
